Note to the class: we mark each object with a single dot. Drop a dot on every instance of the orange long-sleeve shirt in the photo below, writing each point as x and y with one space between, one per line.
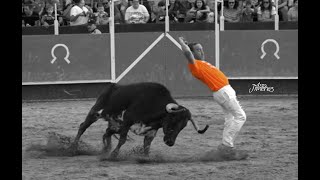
208 74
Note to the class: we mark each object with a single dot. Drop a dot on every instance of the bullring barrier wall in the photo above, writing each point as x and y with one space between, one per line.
88 59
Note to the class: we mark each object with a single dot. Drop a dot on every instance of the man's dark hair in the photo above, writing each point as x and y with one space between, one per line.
161 3
29 4
77 1
191 45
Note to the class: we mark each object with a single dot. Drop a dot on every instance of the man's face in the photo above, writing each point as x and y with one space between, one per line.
50 10
135 4
27 10
91 27
198 52
100 9
81 3
231 3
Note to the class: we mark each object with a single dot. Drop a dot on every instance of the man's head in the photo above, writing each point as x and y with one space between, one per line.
91 25
100 8
28 9
162 4
49 9
80 3
248 3
295 3
196 50
135 4
231 4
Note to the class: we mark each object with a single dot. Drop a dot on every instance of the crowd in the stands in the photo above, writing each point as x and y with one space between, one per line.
81 12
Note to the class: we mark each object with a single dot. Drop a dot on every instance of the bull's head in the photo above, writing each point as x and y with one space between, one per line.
177 119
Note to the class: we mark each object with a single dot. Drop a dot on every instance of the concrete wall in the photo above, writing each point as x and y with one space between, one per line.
90 59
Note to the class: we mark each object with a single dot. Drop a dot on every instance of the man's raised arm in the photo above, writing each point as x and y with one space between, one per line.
186 50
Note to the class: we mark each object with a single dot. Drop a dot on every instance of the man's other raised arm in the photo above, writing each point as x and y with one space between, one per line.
186 50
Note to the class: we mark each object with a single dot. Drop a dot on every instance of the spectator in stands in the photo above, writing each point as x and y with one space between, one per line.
88 3
210 4
293 12
60 5
148 5
188 4
29 17
122 6
176 11
232 11
290 3
153 11
79 14
255 6
67 2
247 12
137 13
102 17
161 12
48 18
199 13
266 11
95 5
38 6
92 28
117 14
283 10
66 12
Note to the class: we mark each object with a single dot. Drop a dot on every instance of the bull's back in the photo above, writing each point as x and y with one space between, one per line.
144 97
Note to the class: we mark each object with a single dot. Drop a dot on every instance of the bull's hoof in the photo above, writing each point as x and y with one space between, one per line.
103 157
73 149
114 154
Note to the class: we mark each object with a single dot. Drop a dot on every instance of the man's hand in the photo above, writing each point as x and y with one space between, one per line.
186 50
182 41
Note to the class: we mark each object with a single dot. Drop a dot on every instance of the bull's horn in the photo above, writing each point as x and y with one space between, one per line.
172 108
196 127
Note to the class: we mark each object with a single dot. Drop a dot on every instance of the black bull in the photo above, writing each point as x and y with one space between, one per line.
150 104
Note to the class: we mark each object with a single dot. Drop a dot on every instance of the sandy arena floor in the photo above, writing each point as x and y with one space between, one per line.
270 135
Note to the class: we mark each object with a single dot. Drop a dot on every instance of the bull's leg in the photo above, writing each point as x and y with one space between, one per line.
107 141
107 144
92 117
122 140
147 141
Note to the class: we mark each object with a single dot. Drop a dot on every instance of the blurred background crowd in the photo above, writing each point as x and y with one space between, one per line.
81 12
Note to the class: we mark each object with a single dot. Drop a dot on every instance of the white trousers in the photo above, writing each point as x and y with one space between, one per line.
234 114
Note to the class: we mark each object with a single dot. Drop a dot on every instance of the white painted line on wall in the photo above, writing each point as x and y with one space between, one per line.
173 40
66 82
139 58
266 77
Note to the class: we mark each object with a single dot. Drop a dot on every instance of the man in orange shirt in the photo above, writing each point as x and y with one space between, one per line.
223 94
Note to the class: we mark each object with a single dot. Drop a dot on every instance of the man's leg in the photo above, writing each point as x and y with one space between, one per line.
234 124
231 130
228 118
234 119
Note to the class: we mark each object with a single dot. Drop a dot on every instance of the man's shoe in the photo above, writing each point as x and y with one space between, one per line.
229 153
